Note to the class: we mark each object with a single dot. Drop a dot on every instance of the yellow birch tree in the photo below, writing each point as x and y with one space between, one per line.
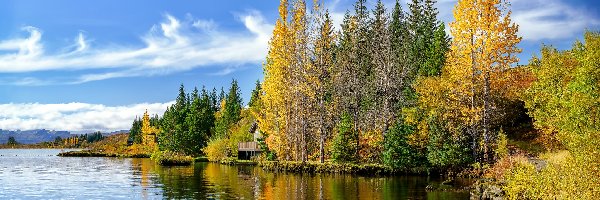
484 43
272 121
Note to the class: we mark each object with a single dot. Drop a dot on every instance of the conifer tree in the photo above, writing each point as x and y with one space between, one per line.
386 74
135 133
255 95
320 79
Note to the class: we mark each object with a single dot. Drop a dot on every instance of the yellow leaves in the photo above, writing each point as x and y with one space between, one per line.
555 176
277 86
148 132
484 43
420 138
371 146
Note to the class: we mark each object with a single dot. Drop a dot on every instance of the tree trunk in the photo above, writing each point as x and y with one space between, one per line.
472 127
322 133
486 114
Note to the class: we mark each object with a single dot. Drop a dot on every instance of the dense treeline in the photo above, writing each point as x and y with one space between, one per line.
375 91
79 140
381 90
195 119
348 86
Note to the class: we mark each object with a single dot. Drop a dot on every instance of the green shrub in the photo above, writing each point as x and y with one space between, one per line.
217 149
446 151
501 145
398 153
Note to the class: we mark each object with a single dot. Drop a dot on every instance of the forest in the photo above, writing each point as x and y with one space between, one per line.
392 88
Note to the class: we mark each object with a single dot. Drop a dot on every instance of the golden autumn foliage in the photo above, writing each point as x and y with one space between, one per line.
296 82
275 96
563 100
483 46
149 132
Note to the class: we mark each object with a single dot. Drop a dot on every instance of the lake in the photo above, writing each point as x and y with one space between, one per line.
40 174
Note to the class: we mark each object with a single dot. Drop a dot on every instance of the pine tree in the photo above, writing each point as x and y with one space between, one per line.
214 100
319 75
135 133
168 139
195 137
386 72
12 141
233 104
255 95
222 97
353 95
437 42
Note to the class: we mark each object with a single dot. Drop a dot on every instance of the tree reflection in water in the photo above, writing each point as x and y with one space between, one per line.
210 180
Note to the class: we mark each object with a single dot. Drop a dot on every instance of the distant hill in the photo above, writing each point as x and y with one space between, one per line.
115 132
43 135
32 136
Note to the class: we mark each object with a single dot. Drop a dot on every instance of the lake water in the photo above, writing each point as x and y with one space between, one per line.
40 174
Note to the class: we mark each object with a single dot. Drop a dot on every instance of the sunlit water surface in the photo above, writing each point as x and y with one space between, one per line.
40 174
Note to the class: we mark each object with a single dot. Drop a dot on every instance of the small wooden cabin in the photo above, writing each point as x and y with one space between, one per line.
247 150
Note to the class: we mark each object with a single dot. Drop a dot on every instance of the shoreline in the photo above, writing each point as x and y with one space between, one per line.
35 146
90 153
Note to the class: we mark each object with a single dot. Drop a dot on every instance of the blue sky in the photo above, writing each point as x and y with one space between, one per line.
94 65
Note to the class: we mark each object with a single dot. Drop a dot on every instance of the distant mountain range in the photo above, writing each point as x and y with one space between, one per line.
41 135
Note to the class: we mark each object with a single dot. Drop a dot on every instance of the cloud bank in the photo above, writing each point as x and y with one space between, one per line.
74 116
172 46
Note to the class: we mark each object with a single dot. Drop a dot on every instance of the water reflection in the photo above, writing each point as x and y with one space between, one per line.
38 174
209 180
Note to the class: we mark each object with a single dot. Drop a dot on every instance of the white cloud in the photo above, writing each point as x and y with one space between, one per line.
74 116
206 25
173 45
81 43
550 19
539 19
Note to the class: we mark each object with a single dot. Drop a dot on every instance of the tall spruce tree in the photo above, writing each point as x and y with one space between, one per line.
255 95
135 133
233 104
198 122
321 71
386 77
345 78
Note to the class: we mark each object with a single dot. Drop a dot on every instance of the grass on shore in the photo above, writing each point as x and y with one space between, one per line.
327 167
169 158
